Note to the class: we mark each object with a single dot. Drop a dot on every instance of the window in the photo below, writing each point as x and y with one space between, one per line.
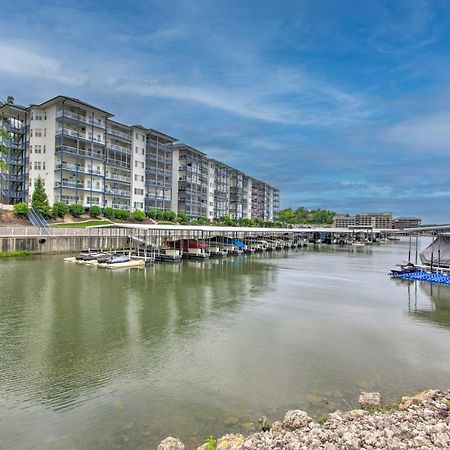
37 165
38 132
43 149
37 148
45 131
138 205
31 132
43 165
138 191
31 149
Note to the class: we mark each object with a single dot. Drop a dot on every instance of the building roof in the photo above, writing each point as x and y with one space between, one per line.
188 147
72 99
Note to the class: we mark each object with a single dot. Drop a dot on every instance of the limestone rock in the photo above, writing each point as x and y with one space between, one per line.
230 442
417 399
296 419
171 443
370 400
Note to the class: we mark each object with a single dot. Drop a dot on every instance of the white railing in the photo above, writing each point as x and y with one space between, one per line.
81 231
118 148
119 133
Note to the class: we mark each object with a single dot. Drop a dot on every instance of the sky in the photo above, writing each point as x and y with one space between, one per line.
343 105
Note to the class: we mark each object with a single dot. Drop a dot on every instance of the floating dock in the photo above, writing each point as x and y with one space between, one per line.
430 277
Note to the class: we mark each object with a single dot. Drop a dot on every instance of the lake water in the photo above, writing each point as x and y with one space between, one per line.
95 359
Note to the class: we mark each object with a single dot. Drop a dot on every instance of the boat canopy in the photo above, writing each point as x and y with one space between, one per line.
229 241
440 248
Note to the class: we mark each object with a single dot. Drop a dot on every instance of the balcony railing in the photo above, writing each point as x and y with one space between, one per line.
80 135
110 191
80 151
119 148
121 164
118 133
84 119
75 185
118 178
75 168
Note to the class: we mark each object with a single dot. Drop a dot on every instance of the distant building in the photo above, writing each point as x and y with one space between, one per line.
344 221
400 223
375 220
368 220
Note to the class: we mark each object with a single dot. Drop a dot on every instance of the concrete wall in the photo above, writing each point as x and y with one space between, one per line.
61 244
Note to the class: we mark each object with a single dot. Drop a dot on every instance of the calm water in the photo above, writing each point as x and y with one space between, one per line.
112 360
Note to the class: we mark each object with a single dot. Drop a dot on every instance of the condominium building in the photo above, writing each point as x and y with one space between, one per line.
84 156
401 223
368 220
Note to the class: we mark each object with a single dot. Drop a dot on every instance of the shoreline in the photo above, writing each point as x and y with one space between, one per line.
421 421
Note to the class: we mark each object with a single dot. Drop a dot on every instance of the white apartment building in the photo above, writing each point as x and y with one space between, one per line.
86 157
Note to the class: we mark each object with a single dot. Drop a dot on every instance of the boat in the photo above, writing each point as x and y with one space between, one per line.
191 248
357 244
400 269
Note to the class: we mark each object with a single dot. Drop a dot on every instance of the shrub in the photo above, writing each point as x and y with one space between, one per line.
152 213
139 215
95 211
76 210
108 213
182 218
168 215
59 209
21 209
121 214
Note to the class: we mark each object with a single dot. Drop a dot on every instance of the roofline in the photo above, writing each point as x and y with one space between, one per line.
180 145
152 130
431 228
75 100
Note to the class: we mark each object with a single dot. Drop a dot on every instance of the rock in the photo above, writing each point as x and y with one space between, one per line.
351 442
171 443
231 420
277 427
317 400
370 400
296 419
355 414
417 399
230 442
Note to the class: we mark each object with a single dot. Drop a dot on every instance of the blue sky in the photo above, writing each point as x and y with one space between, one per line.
341 104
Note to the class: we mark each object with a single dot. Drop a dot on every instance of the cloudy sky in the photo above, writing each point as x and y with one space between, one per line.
341 104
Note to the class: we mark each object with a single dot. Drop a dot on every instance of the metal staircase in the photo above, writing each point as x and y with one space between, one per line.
38 220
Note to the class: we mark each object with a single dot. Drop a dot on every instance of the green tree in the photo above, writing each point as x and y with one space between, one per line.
59 209
182 218
39 199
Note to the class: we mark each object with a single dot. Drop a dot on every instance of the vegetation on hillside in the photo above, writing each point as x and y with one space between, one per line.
302 215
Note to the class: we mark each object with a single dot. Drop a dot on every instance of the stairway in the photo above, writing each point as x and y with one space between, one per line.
38 220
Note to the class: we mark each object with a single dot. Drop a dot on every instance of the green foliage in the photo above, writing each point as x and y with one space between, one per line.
84 224
200 221
108 212
76 210
95 211
152 213
4 136
303 215
15 253
21 209
121 214
210 443
182 218
39 199
227 220
139 215
59 209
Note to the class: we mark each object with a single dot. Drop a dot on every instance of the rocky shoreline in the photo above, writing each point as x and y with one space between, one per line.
418 422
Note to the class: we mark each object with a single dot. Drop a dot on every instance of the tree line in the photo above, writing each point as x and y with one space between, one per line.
302 215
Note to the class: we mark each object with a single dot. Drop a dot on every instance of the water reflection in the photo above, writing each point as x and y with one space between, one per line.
436 309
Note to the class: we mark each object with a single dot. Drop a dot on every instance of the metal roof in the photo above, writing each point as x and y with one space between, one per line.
224 229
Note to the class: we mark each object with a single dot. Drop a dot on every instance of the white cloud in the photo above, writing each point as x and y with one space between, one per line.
426 133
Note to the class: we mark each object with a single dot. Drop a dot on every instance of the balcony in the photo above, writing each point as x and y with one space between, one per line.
80 169
122 164
120 178
80 152
77 185
79 135
118 148
119 192
84 119
120 206
118 133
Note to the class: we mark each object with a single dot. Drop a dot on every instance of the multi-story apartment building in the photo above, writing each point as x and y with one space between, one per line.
369 220
192 181
84 156
401 223
344 221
